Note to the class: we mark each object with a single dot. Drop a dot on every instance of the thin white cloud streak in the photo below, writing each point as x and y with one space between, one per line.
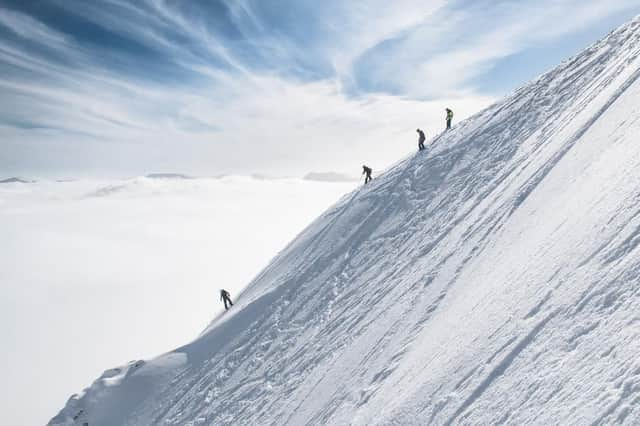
367 29
29 28
149 29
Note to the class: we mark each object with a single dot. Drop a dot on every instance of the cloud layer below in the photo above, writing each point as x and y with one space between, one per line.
246 86
96 273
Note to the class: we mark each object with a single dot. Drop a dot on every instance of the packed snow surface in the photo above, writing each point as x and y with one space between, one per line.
492 279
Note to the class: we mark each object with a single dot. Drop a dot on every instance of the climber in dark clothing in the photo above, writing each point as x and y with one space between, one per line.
421 139
226 298
367 171
449 118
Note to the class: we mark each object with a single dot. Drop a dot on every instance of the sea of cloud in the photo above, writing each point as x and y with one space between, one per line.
97 273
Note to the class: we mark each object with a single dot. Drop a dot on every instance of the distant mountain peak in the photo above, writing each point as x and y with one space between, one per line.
15 180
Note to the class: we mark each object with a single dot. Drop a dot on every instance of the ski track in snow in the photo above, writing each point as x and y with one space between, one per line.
491 279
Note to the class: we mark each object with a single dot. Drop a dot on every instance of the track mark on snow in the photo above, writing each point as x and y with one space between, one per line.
501 349
536 309
500 369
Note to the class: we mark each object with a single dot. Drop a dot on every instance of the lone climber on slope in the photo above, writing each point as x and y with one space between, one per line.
367 172
226 298
421 139
449 118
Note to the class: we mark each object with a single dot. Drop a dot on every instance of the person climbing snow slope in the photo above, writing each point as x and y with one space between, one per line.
421 139
449 118
367 172
226 298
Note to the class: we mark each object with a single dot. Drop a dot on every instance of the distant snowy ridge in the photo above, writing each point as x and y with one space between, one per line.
15 180
329 177
160 183
492 279
168 176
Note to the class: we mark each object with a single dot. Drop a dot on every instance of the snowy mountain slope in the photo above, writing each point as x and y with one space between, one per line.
492 280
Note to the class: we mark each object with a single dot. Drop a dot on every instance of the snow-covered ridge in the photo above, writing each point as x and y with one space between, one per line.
492 279
14 180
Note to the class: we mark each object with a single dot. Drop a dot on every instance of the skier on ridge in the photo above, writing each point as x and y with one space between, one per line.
421 139
226 298
449 118
367 171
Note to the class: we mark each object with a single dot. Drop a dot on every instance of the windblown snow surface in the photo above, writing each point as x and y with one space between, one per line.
491 280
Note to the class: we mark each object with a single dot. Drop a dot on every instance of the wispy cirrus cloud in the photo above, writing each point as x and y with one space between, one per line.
450 48
254 86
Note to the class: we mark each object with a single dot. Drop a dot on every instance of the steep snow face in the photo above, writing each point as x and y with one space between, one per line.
492 279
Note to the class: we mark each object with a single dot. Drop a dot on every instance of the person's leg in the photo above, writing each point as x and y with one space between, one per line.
225 304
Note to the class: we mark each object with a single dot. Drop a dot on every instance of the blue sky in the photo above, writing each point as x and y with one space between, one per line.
252 86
